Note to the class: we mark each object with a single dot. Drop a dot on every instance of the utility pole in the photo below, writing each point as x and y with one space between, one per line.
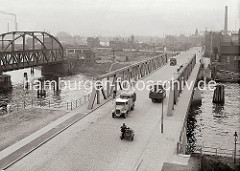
235 146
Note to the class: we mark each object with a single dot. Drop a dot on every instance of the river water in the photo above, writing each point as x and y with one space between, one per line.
17 95
212 125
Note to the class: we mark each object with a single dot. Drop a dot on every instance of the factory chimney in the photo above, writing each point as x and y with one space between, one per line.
225 32
239 38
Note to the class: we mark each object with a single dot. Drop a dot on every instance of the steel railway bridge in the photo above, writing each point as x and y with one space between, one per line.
24 49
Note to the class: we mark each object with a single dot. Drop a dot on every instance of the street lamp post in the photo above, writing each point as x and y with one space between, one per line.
162 119
235 146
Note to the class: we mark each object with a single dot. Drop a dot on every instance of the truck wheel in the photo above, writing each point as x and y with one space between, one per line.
3 112
132 108
124 115
153 100
113 115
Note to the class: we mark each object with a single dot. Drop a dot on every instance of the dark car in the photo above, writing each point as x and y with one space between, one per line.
157 93
3 107
173 61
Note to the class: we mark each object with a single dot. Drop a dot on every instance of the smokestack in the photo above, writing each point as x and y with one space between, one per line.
15 18
239 37
226 21
7 27
16 26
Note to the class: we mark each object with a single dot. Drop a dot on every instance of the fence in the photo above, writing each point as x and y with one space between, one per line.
76 103
181 149
44 103
37 103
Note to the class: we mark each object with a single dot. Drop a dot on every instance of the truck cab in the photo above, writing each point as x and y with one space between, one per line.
121 108
124 104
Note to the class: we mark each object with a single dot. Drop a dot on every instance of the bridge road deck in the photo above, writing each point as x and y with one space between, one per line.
162 147
93 143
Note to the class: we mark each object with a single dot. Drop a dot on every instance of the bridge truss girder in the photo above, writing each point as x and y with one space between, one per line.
130 73
20 60
27 49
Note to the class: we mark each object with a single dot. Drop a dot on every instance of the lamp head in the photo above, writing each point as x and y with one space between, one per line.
235 134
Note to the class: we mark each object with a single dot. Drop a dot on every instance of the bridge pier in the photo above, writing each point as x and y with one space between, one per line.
41 92
196 99
5 83
219 94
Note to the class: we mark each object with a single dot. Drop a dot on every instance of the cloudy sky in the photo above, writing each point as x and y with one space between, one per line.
119 17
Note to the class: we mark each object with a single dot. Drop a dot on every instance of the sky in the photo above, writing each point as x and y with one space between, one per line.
119 17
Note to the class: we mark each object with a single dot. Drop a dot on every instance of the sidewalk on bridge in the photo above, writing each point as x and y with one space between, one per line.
162 146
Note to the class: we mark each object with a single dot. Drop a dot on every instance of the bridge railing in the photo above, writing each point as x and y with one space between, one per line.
34 103
43 103
179 82
187 149
183 75
76 103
